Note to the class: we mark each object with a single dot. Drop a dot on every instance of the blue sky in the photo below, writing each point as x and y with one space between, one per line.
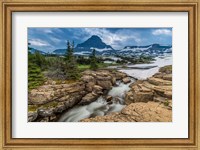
49 39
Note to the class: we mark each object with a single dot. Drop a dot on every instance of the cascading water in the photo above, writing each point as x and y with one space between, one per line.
100 107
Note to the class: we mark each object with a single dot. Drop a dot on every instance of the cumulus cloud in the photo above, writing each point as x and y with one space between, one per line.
117 40
49 39
38 42
162 32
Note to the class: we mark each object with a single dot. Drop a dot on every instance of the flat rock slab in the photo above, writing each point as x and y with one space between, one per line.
158 81
137 112
160 85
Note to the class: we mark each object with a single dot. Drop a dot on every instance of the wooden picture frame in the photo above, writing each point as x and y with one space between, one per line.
9 6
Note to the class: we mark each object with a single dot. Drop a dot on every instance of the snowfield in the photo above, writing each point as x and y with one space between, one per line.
101 50
82 53
143 74
136 49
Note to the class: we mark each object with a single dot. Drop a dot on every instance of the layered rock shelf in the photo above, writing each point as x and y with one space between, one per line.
157 88
47 102
147 101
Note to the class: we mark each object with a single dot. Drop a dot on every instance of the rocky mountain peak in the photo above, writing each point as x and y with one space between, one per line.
95 42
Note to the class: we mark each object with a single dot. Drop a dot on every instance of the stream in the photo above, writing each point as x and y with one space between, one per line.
100 107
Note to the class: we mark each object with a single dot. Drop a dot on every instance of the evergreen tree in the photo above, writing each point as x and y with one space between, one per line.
71 68
35 76
69 52
40 60
93 63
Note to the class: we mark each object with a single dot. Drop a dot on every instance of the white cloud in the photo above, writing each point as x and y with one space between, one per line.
117 40
56 40
38 42
162 32
47 31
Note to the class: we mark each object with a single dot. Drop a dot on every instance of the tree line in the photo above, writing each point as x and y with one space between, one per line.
64 68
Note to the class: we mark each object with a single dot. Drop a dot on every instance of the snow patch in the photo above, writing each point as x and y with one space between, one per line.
82 53
142 74
136 49
101 50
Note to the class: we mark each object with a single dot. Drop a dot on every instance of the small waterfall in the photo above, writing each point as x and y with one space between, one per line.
100 107
120 90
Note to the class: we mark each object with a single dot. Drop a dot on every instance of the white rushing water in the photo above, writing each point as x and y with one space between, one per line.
143 74
100 107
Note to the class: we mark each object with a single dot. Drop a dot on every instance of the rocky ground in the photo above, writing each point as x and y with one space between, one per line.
47 102
137 112
157 88
147 101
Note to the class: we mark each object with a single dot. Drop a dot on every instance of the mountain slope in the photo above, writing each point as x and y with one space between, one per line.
33 51
85 48
59 51
93 42
149 50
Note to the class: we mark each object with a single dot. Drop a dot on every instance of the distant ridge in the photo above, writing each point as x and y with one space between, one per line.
33 50
95 42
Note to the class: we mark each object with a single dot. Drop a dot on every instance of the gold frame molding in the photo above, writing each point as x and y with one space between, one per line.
9 6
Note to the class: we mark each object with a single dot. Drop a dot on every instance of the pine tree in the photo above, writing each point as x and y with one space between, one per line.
40 60
69 53
93 63
71 68
35 76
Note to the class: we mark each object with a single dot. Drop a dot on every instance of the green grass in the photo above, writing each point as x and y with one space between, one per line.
34 84
103 65
32 108
50 104
85 67
66 81
166 103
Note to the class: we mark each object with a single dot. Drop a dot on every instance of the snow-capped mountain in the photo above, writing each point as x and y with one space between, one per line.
95 42
85 48
148 50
